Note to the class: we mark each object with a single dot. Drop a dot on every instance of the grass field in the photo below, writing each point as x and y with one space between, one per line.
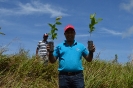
22 71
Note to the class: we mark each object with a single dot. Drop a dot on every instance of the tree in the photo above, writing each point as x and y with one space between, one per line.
116 59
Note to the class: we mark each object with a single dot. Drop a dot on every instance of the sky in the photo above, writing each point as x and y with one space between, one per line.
25 21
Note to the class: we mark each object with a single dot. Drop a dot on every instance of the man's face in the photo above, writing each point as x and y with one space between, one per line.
70 35
45 38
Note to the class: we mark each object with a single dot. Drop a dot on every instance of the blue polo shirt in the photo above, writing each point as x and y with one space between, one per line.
70 57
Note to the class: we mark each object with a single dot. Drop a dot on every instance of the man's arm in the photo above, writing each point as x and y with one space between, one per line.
89 57
52 59
36 51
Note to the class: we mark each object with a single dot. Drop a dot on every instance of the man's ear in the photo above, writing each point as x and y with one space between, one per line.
74 32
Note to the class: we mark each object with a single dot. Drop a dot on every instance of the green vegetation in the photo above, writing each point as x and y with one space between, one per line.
94 21
22 71
53 27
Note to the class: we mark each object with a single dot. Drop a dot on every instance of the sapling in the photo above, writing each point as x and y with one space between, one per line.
53 31
93 22
92 28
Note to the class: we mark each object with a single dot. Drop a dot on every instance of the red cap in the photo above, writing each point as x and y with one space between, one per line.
69 27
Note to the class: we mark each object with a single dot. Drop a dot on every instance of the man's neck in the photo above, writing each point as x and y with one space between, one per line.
70 43
44 40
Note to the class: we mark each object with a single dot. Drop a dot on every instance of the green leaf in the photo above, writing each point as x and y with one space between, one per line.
92 15
55 36
2 33
53 33
93 22
56 29
52 37
58 23
58 18
50 25
100 19
54 26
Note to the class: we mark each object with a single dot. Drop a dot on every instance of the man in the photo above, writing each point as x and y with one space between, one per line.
41 50
70 54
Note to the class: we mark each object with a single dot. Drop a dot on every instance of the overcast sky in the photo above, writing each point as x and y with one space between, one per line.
25 21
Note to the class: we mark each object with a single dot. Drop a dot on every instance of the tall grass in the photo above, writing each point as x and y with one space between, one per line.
22 71
101 74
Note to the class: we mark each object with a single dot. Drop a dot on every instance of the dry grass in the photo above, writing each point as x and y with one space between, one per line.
22 71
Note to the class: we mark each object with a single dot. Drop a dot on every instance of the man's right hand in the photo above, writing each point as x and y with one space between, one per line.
49 48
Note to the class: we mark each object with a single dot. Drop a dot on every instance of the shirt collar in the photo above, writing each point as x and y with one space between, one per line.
75 42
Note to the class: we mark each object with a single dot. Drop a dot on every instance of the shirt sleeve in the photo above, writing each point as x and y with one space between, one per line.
85 51
56 52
